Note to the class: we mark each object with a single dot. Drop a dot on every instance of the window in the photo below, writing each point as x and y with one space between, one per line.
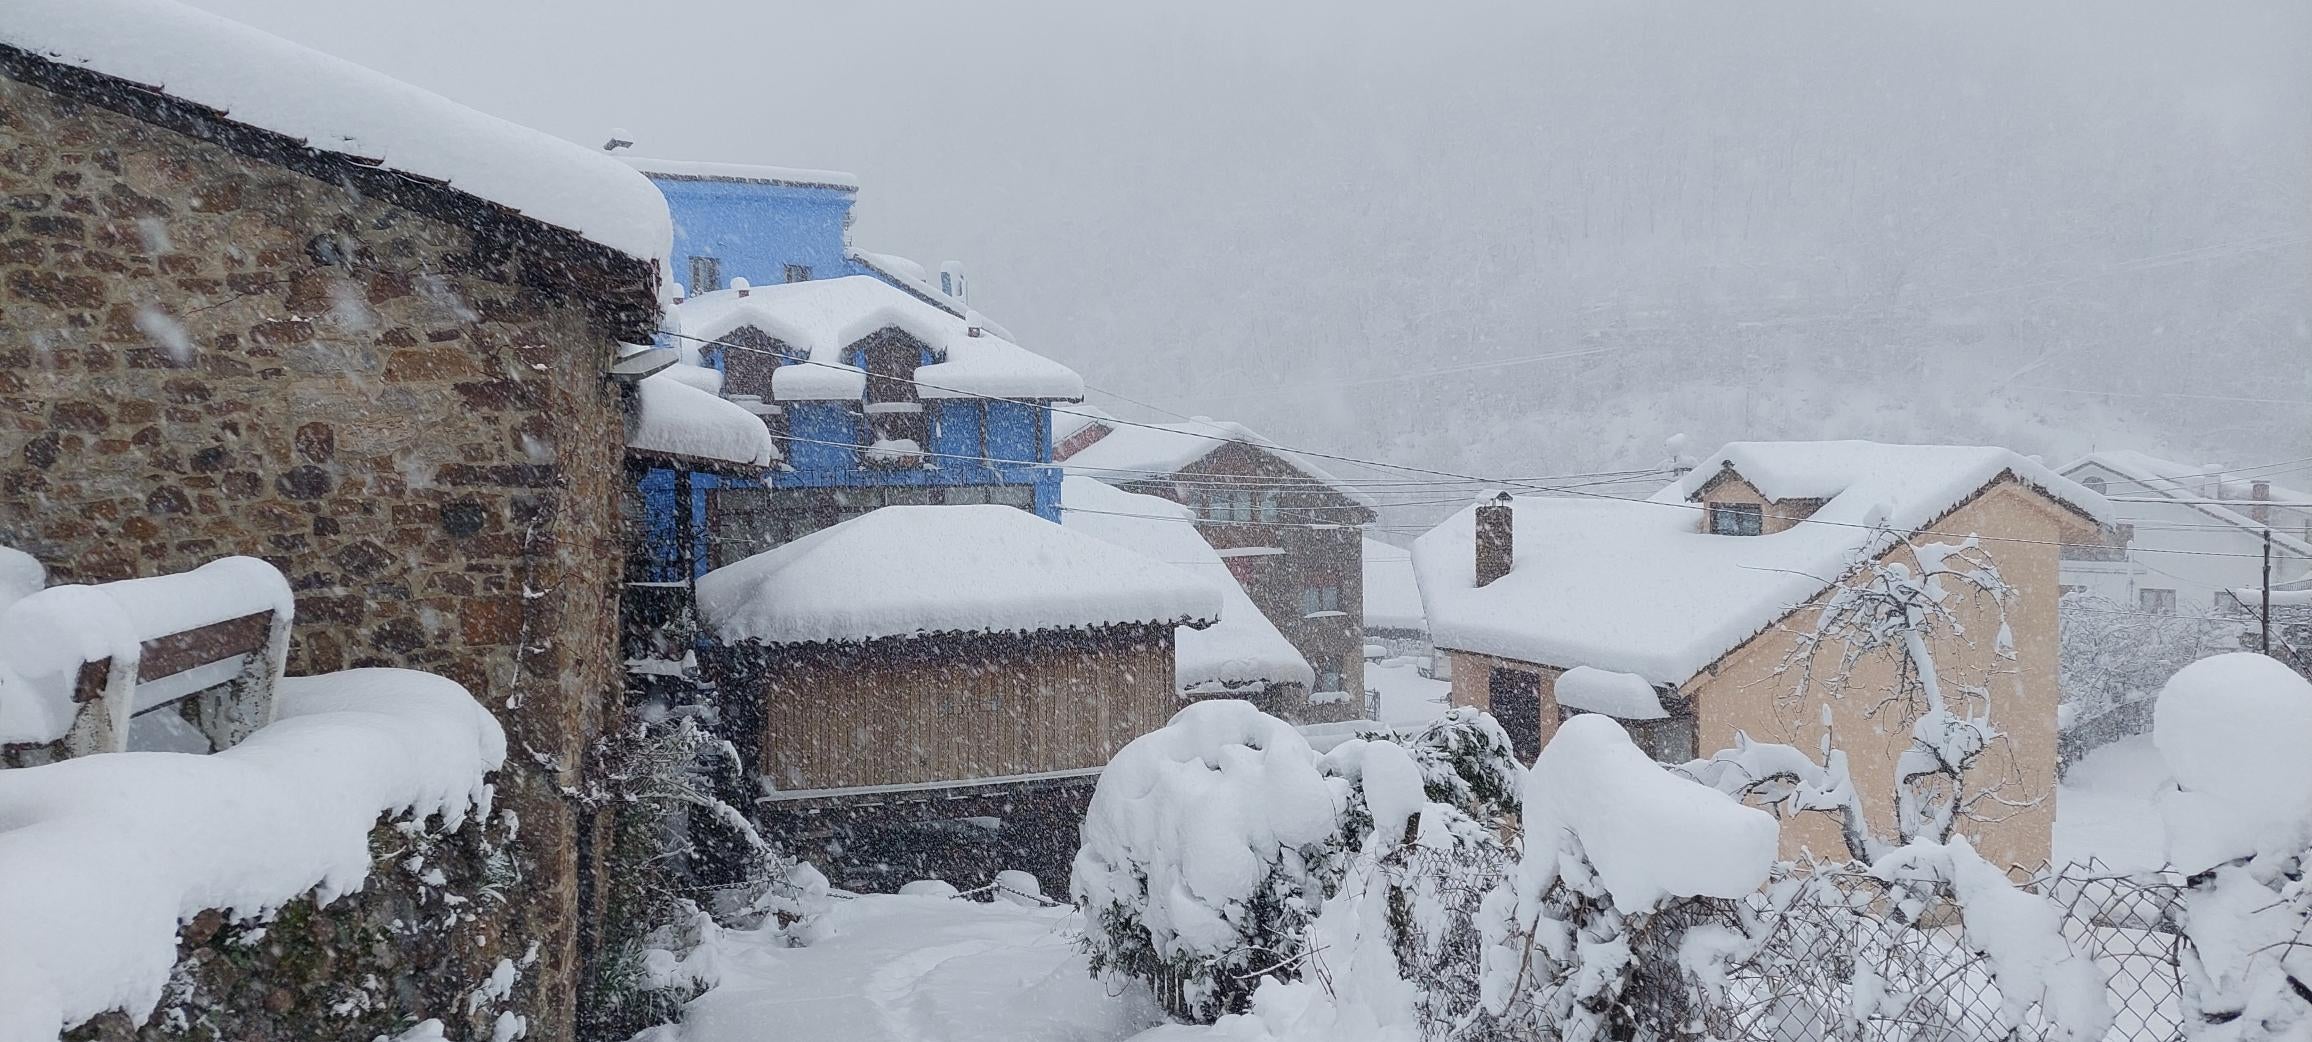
1513 696
2068 589
1330 677
2094 484
1229 506
2160 601
1316 599
1737 519
798 273
1271 505
705 274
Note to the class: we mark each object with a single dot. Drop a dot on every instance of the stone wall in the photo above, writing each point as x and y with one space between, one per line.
204 353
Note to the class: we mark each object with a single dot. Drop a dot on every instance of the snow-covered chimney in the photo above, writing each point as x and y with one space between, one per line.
2214 475
2261 492
1496 542
742 286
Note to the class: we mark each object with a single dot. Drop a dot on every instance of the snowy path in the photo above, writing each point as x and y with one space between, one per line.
917 969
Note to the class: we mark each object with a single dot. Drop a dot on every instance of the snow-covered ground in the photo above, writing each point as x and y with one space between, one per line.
1406 697
2104 807
908 968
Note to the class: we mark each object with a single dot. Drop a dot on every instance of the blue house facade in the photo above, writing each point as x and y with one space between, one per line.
880 389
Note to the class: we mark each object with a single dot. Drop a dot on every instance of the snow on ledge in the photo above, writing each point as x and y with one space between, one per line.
1623 696
680 419
333 105
103 856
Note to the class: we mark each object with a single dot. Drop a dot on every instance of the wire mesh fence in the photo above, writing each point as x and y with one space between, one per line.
1833 955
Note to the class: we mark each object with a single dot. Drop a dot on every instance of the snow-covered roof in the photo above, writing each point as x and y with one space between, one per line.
918 281
744 173
680 418
333 105
1635 586
920 570
1155 450
2195 487
820 318
1068 419
1243 649
1392 597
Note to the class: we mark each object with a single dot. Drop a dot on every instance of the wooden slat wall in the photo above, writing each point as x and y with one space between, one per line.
981 709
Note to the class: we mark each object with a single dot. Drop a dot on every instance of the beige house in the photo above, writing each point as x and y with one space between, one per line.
1691 610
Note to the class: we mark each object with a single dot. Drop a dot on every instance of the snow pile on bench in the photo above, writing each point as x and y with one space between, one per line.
821 319
2234 730
103 856
916 570
1623 696
45 638
679 418
1639 587
333 105
1243 650
1650 834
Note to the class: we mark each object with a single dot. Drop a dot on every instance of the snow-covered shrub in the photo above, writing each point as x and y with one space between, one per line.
2112 655
684 862
1199 854
2234 730
1622 862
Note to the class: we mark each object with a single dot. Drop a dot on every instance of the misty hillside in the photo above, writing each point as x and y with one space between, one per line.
1528 239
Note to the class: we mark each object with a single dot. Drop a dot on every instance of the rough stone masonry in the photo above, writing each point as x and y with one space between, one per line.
214 342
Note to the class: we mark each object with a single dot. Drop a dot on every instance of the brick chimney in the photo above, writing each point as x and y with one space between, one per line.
2261 493
1496 545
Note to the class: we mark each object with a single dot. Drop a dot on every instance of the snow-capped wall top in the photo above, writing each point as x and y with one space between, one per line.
333 105
1243 650
1156 450
1635 586
820 318
694 170
918 570
680 418
105 855
1392 596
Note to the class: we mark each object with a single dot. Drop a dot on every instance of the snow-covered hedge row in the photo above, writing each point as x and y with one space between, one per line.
102 857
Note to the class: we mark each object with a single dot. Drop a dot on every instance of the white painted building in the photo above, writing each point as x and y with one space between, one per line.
2192 532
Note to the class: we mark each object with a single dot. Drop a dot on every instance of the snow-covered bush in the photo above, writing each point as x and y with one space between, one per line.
2234 730
1199 855
1623 861
2113 655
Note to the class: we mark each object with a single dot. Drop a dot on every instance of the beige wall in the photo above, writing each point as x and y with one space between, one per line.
1750 691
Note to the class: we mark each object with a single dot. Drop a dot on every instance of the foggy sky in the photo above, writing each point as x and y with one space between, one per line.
1355 224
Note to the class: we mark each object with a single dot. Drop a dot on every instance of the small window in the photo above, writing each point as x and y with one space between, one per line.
1330 677
2094 484
1316 599
798 273
1737 519
2162 602
705 274
1270 506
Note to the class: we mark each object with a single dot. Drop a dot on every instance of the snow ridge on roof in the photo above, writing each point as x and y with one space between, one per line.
680 418
1637 587
917 280
1156 450
920 570
1242 650
697 170
820 318
333 105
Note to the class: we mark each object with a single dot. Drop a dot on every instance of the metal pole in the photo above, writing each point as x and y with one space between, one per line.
2267 637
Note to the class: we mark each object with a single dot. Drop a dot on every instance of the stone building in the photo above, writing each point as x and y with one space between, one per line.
1686 616
1291 533
285 307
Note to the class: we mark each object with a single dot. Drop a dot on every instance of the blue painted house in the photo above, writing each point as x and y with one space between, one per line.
880 386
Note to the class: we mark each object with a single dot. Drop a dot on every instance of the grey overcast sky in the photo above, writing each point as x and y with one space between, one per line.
1524 237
